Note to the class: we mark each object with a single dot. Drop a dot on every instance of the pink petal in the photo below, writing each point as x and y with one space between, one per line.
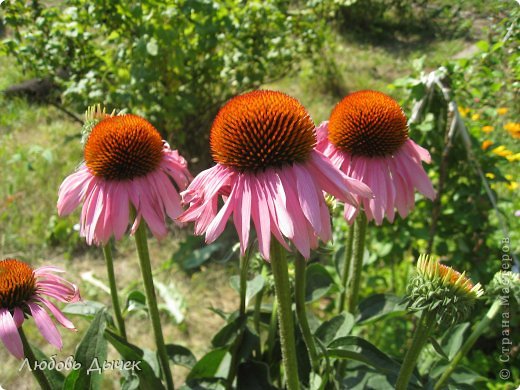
45 325
57 313
261 220
9 334
216 227
18 317
242 212
308 197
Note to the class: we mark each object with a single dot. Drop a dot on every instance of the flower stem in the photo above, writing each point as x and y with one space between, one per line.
468 344
29 355
107 252
424 328
273 325
146 271
235 349
301 314
285 316
258 312
346 268
360 227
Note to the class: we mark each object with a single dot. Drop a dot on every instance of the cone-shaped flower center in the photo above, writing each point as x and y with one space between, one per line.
368 123
452 276
123 147
17 283
262 129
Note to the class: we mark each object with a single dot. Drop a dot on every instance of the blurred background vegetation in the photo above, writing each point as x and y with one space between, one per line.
177 62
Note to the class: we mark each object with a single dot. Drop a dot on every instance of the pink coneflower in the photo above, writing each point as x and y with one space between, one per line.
366 137
22 293
267 171
126 163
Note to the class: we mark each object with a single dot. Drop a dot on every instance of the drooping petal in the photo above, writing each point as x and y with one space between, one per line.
45 325
56 313
9 334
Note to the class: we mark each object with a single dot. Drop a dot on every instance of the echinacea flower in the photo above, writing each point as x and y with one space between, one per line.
366 137
23 293
269 172
437 287
126 164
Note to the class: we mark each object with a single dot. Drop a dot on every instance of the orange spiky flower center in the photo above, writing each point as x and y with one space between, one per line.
123 147
368 123
17 283
454 276
262 129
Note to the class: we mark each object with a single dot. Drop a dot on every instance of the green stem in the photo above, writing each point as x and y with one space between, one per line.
29 355
285 316
107 251
146 271
360 227
301 314
273 325
468 344
235 358
346 268
258 312
424 328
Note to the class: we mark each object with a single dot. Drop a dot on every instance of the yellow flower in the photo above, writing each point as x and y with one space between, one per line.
487 129
513 157
490 175
512 185
486 144
513 128
475 117
502 110
502 151
463 111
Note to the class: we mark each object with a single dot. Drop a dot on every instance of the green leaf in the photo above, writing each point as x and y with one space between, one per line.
377 306
254 376
254 286
198 257
335 328
91 354
214 364
136 301
318 282
436 346
229 332
83 308
129 352
56 378
352 347
456 339
174 301
180 355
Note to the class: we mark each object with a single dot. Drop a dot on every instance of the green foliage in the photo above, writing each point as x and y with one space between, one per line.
175 63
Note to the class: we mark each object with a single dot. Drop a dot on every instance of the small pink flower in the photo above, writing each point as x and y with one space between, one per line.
24 292
126 163
269 172
367 139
